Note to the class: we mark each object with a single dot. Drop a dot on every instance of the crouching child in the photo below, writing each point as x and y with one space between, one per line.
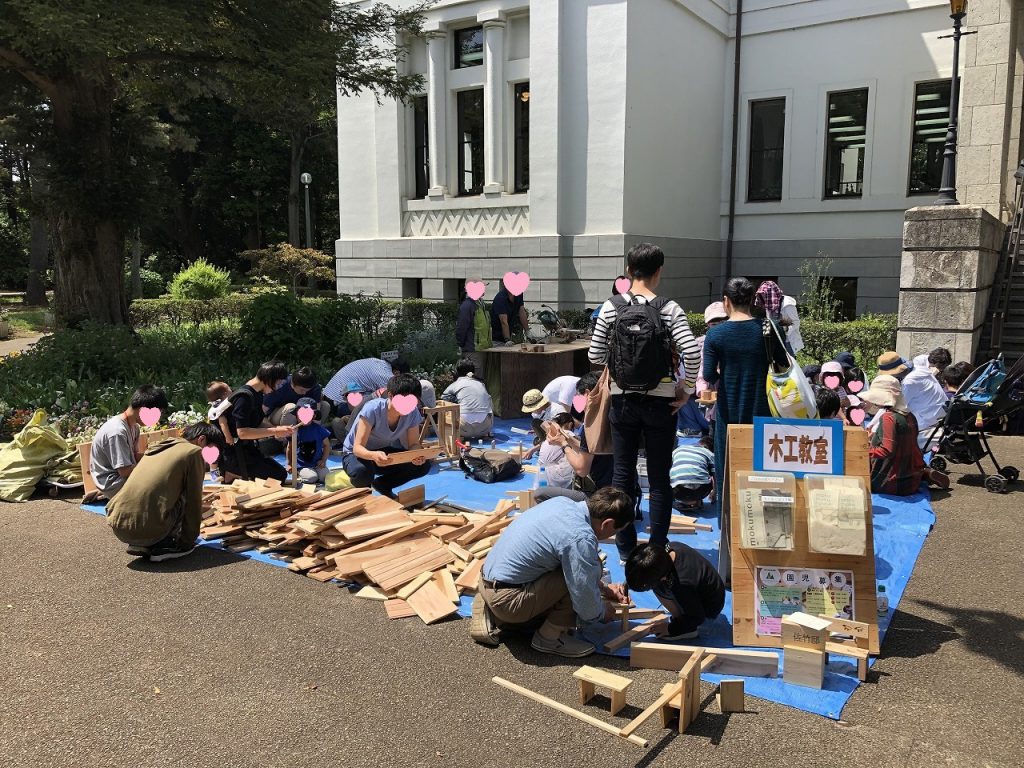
685 582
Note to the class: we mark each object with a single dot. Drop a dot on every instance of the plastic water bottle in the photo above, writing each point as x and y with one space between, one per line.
883 601
541 480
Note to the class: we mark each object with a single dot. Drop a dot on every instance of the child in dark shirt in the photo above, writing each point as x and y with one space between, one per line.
684 581
314 446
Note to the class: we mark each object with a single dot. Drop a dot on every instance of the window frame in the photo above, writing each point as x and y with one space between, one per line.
865 159
913 134
751 104
520 140
456 48
420 148
460 143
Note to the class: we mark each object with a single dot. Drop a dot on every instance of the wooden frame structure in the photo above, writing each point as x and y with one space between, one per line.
444 419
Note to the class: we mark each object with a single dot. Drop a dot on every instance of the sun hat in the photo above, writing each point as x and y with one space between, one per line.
715 311
832 367
534 401
885 392
891 364
846 359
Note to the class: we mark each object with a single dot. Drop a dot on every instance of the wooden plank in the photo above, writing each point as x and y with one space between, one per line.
389 537
413 497
350 564
84 459
799 631
470 578
398 609
405 457
446 583
430 603
459 552
368 526
371 593
628 729
412 586
606 727
730 661
802 666
690 676
641 630
603 678
859 654
730 696
396 578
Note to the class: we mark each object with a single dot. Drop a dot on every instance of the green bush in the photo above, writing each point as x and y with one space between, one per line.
200 280
153 283
145 313
866 337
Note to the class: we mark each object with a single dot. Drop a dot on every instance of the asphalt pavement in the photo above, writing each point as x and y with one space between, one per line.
221 662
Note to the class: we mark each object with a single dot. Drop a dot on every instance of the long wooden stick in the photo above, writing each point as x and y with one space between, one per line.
627 730
540 699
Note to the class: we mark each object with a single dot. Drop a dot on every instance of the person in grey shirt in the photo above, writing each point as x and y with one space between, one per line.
476 411
114 451
547 564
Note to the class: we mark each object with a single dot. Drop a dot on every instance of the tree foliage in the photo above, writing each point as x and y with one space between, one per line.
286 263
122 85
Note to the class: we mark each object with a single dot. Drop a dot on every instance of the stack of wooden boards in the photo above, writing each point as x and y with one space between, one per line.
417 563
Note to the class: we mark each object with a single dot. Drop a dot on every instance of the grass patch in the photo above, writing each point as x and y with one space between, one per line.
28 320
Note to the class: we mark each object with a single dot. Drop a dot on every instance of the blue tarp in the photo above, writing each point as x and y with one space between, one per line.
901 525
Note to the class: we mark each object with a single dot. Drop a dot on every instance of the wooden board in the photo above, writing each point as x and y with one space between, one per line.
729 660
745 561
641 630
470 578
84 458
802 666
398 609
430 603
730 696
405 457
412 497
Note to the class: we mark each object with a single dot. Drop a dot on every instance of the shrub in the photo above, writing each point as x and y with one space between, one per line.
145 313
275 325
288 264
867 337
153 283
200 280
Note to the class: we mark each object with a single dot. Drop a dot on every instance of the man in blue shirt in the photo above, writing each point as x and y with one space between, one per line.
508 316
281 404
547 564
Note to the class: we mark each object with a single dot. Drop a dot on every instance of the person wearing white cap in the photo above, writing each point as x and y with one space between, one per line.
897 464
791 324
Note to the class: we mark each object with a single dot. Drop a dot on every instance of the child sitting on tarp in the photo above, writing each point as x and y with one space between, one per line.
685 582
693 475
314 446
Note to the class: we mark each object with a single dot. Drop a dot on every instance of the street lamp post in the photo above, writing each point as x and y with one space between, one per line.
947 191
306 180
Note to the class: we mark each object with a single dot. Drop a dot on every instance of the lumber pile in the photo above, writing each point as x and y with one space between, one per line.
417 563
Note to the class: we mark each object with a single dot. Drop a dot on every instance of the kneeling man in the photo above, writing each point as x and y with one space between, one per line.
546 565
158 511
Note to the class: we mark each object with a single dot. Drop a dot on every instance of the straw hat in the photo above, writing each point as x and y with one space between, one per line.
886 392
891 364
534 401
714 312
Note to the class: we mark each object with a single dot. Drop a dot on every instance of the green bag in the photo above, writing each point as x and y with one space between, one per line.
481 327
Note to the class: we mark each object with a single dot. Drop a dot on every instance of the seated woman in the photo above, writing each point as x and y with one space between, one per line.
552 458
476 412
897 464
380 430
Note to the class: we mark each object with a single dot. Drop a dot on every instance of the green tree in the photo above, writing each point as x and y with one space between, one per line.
106 70
286 263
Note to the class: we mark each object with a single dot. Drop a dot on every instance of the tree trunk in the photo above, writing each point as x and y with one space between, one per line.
137 265
89 256
298 149
39 243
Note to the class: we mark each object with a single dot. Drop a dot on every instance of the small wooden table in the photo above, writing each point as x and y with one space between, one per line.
511 371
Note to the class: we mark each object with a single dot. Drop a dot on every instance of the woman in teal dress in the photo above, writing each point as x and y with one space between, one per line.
736 364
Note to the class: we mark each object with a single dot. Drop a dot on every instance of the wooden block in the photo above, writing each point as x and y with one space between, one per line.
470 578
591 677
858 630
803 666
412 497
690 675
628 729
412 586
398 609
729 660
847 649
430 603
459 552
483 544
641 630
730 696
85 459
405 457
371 593
800 630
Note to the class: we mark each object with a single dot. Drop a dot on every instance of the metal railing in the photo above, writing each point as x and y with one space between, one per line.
1003 283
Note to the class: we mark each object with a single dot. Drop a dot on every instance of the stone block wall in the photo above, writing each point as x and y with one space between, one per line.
950 256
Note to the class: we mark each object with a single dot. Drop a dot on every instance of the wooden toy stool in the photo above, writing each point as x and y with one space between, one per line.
591 677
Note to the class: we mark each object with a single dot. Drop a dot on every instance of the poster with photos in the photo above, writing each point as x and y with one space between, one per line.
780 591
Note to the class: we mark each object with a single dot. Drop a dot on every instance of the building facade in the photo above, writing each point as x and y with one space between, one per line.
552 135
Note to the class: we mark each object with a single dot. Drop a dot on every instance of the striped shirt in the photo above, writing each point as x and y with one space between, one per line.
674 319
692 466
368 374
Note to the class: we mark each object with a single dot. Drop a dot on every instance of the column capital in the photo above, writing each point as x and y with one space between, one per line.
491 18
434 29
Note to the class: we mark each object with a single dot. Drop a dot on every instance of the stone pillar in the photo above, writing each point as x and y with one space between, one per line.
991 89
437 109
950 256
494 101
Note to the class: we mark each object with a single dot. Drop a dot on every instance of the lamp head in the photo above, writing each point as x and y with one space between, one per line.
957 8
306 179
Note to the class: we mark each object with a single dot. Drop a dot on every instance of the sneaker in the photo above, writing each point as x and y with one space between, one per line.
159 553
136 551
937 478
676 632
481 625
563 645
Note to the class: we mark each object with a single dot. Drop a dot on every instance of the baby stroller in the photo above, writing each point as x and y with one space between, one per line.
989 394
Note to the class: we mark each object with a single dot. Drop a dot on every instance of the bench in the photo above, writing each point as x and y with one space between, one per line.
590 678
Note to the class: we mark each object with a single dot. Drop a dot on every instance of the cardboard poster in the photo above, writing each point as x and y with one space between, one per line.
780 591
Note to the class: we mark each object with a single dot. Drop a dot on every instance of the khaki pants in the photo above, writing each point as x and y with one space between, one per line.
548 596
473 431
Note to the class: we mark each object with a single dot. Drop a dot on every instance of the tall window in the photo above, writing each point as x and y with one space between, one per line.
469 47
521 109
931 119
844 147
421 151
767 139
471 141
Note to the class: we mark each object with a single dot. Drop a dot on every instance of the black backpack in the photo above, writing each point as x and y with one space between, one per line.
640 346
489 466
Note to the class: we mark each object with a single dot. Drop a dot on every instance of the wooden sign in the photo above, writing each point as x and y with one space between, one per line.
743 565
800 446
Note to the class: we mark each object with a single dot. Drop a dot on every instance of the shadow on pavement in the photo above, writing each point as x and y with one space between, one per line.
996 635
200 560
911 636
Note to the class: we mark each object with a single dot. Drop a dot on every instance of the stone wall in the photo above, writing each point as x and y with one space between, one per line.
950 255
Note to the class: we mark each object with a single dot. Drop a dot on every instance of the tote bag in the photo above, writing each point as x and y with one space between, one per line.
597 423
789 393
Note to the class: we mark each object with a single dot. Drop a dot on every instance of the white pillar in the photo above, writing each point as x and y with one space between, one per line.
494 101
437 109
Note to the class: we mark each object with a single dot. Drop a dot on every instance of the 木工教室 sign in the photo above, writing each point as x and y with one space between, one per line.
800 446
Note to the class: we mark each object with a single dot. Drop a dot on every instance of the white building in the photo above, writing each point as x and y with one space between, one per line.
554 134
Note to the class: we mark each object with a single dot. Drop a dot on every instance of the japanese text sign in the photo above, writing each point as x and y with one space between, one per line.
800 446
